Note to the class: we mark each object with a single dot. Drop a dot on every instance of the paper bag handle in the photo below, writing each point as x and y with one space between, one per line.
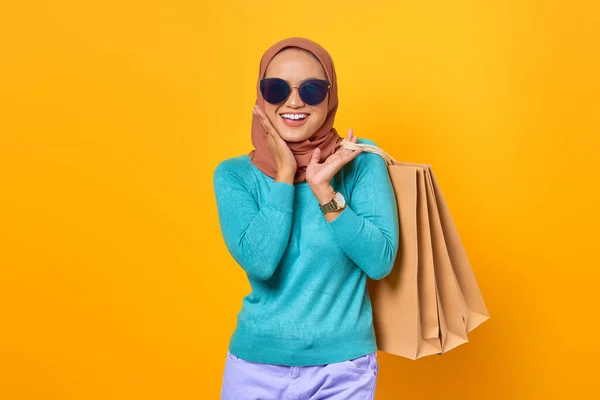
389 160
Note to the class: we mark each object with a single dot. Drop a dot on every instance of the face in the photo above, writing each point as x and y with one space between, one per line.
295 66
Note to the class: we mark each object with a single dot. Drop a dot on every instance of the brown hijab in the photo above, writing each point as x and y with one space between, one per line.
326 137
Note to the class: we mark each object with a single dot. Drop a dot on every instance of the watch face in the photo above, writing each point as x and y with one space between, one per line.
339 199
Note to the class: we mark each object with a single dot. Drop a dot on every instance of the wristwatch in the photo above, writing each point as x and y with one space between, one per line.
338 203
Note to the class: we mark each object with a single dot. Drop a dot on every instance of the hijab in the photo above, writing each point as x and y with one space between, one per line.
326 137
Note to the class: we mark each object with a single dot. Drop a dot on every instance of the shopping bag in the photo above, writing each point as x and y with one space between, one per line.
430 300
477 311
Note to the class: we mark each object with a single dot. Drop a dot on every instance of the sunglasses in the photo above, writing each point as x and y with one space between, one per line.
311 91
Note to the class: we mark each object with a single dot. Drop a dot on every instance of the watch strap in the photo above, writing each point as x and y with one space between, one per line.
330 206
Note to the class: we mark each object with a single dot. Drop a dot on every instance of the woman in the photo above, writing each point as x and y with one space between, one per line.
308 221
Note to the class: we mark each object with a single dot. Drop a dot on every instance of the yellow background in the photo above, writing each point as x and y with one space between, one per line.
115 282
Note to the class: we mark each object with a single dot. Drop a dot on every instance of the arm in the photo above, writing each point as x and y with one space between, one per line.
255 237
367 230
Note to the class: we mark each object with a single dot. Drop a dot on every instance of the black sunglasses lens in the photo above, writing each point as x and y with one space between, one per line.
274 90
313 91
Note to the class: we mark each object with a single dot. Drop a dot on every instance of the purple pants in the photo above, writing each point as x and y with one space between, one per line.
347 380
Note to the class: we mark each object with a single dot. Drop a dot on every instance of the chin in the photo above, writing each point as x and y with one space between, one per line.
291 136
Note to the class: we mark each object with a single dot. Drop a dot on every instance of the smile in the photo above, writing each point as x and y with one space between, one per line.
294 116
294 119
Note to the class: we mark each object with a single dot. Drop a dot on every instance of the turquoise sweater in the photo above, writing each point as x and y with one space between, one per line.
309 304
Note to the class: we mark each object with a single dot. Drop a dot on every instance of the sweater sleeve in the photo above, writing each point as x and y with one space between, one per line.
255 236
367 230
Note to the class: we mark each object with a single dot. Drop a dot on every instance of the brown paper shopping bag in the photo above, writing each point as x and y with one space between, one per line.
477 312
451 300
405 318
431 299
426 282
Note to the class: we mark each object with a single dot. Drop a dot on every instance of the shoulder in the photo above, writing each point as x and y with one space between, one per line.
368 159
235 168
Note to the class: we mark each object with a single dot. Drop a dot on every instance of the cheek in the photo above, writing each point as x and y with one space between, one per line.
321 113
271 111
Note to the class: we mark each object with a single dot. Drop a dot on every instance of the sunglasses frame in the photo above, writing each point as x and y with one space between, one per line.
290 87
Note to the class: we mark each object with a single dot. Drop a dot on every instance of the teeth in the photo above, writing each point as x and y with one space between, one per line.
293 116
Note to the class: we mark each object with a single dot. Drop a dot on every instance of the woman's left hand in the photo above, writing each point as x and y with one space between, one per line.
320 174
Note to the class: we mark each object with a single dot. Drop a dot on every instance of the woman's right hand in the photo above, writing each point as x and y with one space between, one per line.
284 158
